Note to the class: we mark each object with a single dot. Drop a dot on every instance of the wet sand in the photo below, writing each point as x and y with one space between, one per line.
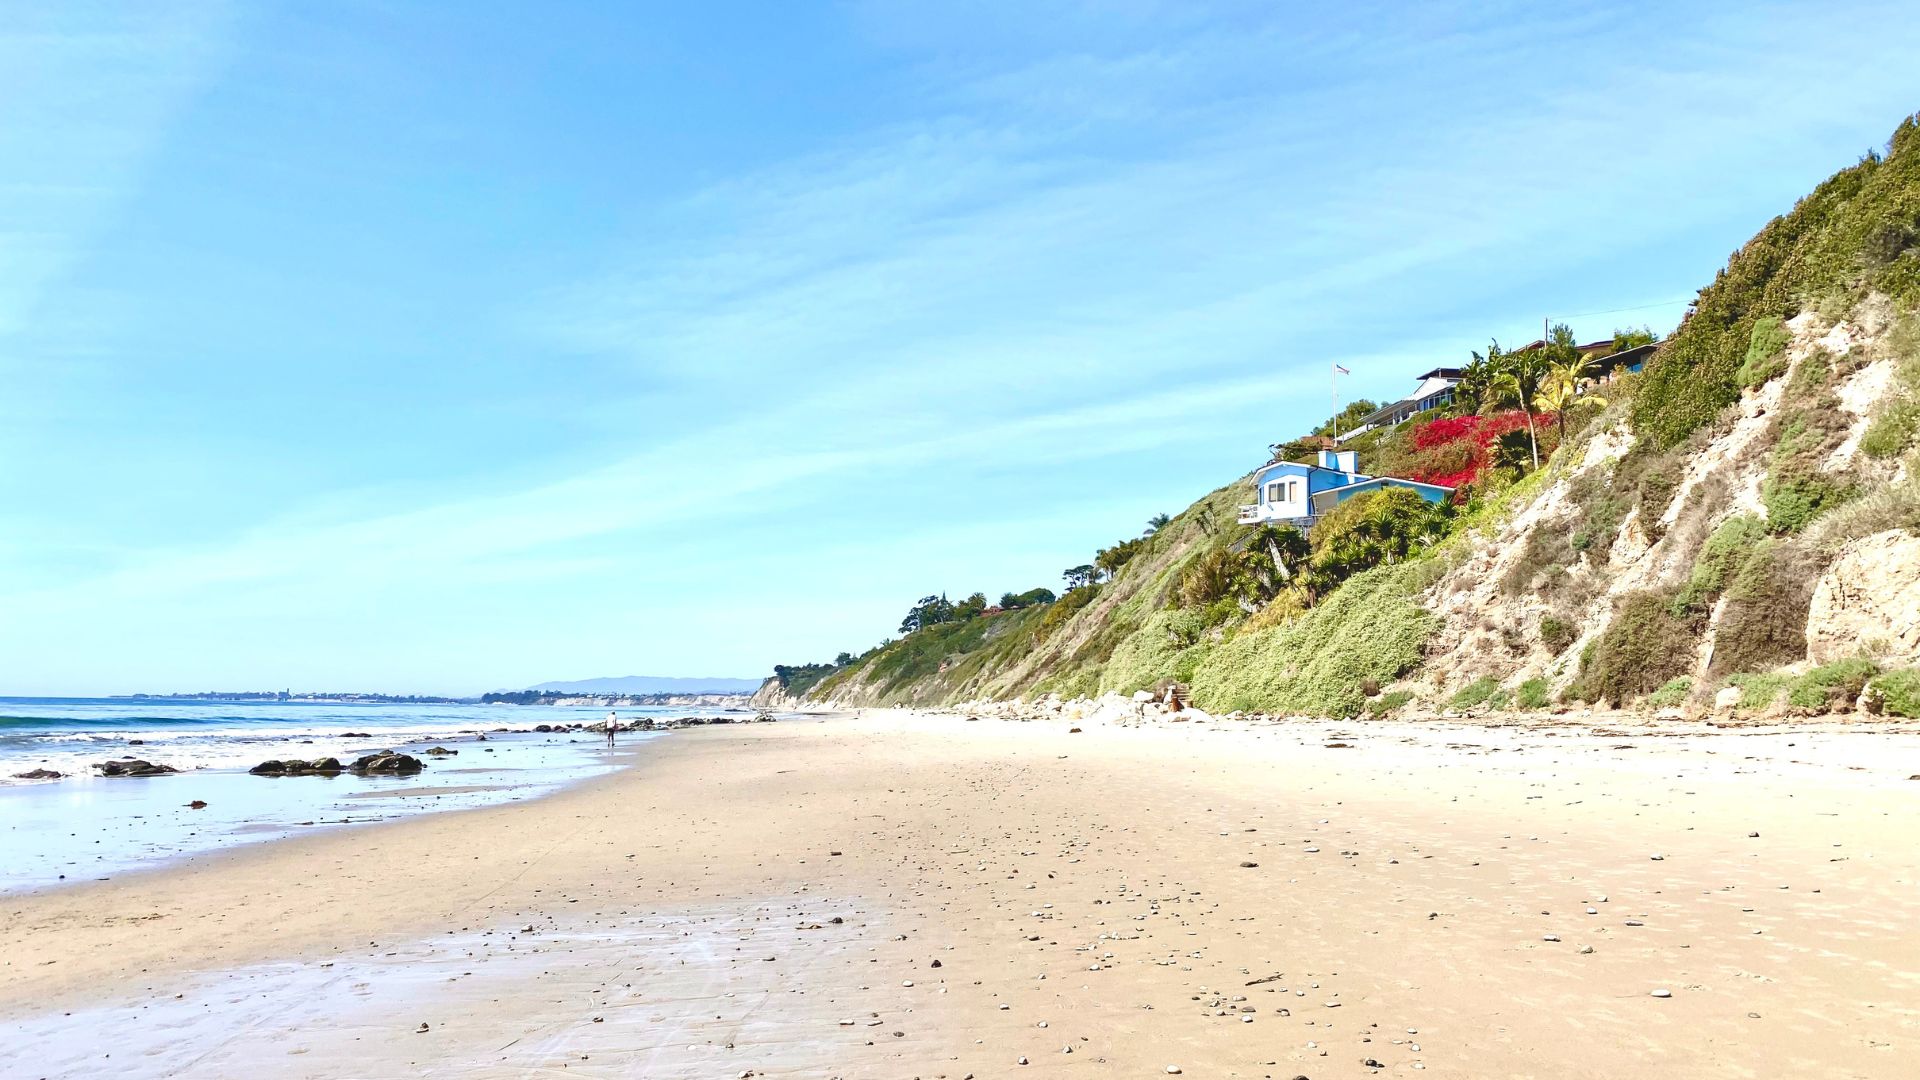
1422 898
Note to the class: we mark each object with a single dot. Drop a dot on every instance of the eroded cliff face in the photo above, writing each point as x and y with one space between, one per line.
771 696
1868 602
1709 530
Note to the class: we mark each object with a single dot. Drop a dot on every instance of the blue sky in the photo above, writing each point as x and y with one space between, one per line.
439 347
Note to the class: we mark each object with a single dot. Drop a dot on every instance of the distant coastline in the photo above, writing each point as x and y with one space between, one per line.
726 699
286 695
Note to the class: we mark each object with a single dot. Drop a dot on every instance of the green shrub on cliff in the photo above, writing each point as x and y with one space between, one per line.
1477 692
1899 692
1672 692
1759 690
1370 628
1535 693
1859 231
1766 352
1831 686
1650 640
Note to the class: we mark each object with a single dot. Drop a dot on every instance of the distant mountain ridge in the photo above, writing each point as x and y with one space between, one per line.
651 684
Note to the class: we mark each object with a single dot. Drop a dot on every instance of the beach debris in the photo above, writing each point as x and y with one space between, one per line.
197 804
1173 1070
133 767
1248 865
386 763
421 1028
325 766
1663 993
1657 858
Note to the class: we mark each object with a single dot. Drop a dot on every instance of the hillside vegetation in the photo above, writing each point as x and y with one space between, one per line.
1696 534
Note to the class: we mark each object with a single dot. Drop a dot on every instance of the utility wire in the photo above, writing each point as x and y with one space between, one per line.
1618 310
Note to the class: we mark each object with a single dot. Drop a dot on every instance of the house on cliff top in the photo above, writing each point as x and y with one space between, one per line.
1294 493
1434 392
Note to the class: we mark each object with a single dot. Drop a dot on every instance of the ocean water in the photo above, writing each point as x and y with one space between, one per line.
85 827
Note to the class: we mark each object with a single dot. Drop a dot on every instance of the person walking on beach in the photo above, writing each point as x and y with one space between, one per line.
613 725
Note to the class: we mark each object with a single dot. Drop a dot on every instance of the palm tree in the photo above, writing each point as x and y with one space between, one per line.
1560 390
1471 392
1157 522
1512 386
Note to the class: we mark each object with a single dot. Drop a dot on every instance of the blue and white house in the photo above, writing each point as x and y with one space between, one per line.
1295 493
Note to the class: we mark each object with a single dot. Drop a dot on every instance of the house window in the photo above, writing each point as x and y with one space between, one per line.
1273 492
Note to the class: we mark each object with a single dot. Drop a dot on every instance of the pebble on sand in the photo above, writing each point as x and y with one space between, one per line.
1663 993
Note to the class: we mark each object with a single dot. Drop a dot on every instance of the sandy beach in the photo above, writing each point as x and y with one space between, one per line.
908 895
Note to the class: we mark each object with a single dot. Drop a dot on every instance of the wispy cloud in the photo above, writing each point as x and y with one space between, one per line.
87 92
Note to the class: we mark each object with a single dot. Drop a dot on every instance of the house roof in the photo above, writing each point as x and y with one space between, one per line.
1371 480
1433 382
1260 473
1592 346
1625 355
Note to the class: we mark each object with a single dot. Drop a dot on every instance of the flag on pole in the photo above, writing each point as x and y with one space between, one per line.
1341 370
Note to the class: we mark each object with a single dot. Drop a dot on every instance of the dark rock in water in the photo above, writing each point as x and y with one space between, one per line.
763 718
642 724
325 766
38 774
543 728
386 763
720 720
355 735
136 742
197 804
439 751
133 767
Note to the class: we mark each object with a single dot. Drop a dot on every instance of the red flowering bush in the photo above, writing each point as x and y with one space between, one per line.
1454 451
1445 430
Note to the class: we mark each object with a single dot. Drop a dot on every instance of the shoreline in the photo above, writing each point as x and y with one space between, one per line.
1092 881
65 820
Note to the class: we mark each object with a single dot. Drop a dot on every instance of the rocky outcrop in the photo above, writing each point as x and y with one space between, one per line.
439 751
1868 602
325 766
386 763
38 774
771 696
133 767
